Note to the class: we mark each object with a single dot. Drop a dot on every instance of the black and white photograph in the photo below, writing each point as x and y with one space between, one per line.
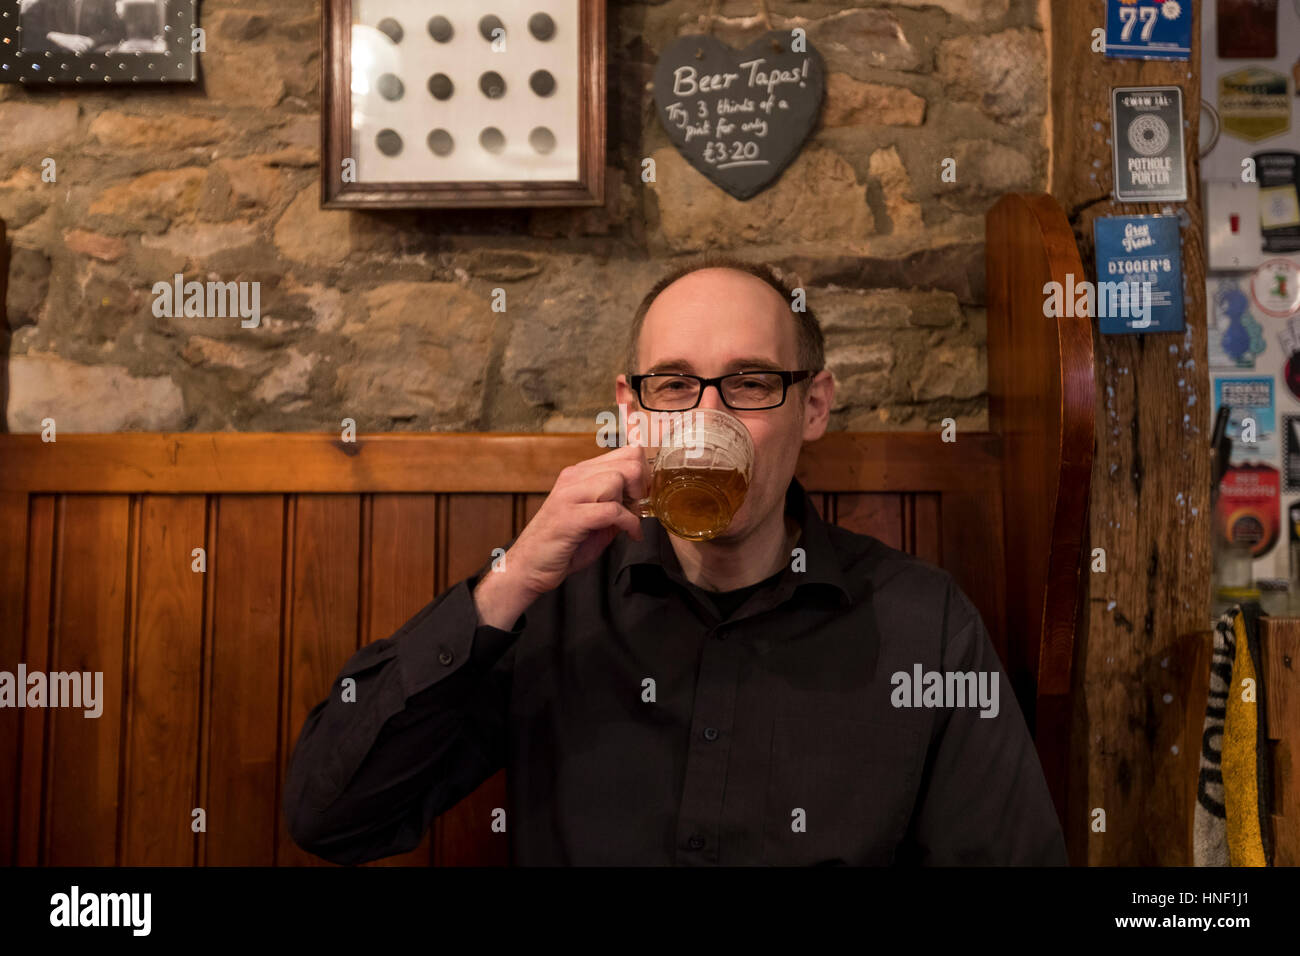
93 26
99 42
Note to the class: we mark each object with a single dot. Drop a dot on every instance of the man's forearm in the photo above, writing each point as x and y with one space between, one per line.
500 600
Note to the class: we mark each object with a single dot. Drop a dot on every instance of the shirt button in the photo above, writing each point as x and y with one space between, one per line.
445 657
696 843
710 733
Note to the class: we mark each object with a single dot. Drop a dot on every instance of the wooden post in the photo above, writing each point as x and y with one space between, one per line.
1280 639
1150 501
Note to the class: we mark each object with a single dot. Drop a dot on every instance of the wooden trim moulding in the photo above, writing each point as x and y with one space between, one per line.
447 462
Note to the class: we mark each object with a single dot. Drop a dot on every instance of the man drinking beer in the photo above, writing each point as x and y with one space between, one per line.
657 700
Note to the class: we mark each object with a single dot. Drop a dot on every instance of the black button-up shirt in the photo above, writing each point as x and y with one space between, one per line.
637 726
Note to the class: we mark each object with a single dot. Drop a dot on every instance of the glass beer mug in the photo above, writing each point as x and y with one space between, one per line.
700 475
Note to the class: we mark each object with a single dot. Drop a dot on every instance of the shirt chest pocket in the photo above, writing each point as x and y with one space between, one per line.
839 792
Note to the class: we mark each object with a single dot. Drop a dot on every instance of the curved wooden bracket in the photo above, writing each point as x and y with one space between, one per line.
1041 401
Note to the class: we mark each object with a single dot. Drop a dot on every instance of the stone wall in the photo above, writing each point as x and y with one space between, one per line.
385 317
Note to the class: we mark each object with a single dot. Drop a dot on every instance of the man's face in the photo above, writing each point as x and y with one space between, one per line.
715 321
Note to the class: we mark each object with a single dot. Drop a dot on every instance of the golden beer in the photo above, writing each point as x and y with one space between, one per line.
697 503
699 478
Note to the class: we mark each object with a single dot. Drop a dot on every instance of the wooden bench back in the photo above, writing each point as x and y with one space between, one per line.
314 547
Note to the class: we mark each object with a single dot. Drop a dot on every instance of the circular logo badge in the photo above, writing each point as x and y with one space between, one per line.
1275 288
1148 134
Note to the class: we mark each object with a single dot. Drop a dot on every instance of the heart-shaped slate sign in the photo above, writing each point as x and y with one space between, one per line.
739 116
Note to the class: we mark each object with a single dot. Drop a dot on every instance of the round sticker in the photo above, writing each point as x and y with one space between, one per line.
1246 526
1291 372
1275 288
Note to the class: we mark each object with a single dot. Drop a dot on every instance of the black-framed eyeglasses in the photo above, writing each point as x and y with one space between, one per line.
743 391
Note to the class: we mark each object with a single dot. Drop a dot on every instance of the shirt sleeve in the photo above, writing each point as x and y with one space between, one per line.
983 800
423 726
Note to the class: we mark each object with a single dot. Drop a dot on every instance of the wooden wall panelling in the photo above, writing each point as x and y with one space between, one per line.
164 663
34 727
95 566
244 677
878 515
474 525
321 627
400 577
532 504
13 589
921 519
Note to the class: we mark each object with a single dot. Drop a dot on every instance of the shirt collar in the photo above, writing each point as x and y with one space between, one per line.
821 563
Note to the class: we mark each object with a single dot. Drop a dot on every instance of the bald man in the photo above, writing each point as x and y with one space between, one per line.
663 701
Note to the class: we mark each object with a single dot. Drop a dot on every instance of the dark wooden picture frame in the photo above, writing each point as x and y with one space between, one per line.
587 189
32 63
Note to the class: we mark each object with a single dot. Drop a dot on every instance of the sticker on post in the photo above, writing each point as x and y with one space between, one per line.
1147 130
1149 29
1140 254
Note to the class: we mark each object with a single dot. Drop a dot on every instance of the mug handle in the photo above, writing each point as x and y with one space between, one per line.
641 507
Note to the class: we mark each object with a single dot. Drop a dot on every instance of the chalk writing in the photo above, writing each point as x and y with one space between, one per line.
743 112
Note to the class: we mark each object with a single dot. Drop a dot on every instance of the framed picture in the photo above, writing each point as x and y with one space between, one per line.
97 41
463 103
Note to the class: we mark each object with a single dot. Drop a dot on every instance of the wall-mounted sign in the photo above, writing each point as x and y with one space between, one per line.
1247 29
1278 172
739 116
1254 103
1149 29
1275 288
1235 339
1291 373
1248 508
1291 460
1250 399
1147 130
1143 253
1232 225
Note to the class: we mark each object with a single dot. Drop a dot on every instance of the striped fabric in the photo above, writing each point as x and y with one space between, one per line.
1231 815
